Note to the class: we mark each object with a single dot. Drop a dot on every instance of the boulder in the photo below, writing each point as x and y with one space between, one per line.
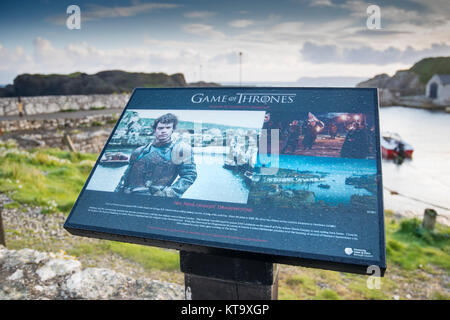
31 274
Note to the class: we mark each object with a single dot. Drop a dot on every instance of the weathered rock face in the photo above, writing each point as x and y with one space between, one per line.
31 274
387 98
379 81
403 83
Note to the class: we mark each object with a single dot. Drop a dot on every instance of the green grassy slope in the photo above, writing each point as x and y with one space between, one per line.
428 67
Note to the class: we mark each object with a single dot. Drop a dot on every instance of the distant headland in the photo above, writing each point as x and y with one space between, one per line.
409 87
104 82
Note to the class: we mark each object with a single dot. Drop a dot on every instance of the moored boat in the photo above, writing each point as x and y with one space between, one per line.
392 146
114 159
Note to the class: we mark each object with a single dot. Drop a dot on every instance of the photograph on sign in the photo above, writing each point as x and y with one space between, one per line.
288 173
307 171
194 166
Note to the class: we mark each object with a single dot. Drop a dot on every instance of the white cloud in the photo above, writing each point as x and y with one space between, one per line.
342 46
97 12
100 12
12 58
260 61
231 57
433 12
331 53
242 23
199 14
13 62
321 3
46 54
203 30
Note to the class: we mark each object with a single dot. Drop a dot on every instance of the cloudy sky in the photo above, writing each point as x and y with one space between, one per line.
281 40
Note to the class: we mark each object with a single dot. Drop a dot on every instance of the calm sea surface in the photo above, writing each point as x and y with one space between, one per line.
424 180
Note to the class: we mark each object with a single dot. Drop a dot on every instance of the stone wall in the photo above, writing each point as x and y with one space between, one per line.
88 134
51 104
83 141
58 124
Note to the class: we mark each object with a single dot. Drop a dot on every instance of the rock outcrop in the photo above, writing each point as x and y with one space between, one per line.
104 82
30 274
403 83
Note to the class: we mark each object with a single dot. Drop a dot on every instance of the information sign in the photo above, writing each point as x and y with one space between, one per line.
287 175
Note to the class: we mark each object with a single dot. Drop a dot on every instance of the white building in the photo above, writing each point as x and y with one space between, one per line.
438 88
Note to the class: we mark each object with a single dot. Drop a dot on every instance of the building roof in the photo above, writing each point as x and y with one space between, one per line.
445 78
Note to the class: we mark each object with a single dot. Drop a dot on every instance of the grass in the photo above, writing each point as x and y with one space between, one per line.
97 123
411 247
415 257
428 67
112 120
440 296
149 258
50 178
53 178
306 283
97 108
327 294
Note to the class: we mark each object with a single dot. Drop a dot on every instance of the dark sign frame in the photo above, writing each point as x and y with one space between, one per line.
359 266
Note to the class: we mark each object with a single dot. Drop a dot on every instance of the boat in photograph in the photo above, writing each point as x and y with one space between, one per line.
115 159
392 145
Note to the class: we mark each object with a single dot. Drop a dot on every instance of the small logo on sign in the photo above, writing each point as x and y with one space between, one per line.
348 251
